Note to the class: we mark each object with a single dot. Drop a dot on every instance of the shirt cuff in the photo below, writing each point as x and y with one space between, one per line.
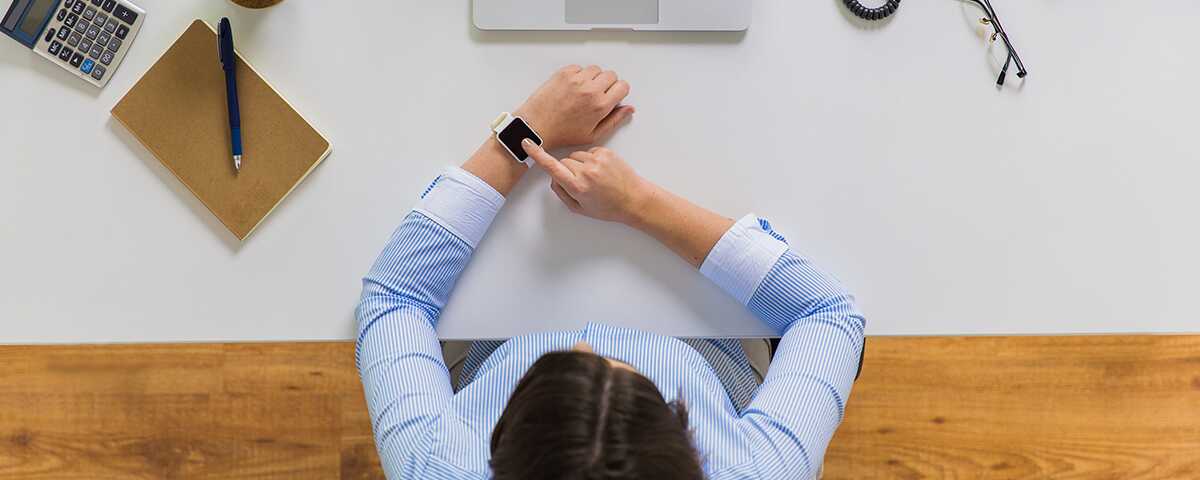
743 258
462 203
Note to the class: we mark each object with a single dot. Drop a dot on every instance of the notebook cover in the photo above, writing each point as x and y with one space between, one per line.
178 111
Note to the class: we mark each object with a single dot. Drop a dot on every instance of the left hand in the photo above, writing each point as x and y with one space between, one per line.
577 106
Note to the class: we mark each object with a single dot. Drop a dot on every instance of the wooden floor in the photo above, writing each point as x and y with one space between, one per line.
1104 407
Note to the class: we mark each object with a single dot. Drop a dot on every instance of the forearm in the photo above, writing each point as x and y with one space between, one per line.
411 280
403 375
439 235
817 358
446 226
687 229
814 365
413 276
404 379
494 165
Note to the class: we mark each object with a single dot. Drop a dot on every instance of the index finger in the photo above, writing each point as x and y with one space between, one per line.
559 172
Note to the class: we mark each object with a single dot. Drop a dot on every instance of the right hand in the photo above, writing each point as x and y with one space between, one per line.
577 106
596 183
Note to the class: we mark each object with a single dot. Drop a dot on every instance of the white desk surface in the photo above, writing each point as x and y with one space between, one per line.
1063 204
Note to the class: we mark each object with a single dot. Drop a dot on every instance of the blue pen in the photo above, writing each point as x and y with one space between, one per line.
229 64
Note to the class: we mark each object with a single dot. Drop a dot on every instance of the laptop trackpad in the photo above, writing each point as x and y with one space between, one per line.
612 11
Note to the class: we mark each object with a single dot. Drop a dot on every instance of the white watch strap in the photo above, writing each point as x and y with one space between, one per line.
501 122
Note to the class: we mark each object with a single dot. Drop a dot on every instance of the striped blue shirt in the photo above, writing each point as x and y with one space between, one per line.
424 430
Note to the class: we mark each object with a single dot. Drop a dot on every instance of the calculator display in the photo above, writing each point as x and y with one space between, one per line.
38 13
14 14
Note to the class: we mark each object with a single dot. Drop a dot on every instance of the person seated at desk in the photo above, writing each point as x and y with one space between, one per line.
602 402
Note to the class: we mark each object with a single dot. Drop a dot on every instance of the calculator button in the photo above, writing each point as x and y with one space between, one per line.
68 3
96 2
98 72
103 40
61 14
122 31
76 59
111 26
85 45
63 33
93 32
115 44
100 19
87 66
54 47
77 8
65 54
70 20
90 13
49 34
106 57
126 15
108 5
97 50
74 40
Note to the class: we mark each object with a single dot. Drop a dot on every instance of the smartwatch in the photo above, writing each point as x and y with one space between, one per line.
510 131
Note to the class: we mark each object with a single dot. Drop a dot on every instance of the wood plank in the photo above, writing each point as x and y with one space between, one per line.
936 407
318 368
1095 407
126 369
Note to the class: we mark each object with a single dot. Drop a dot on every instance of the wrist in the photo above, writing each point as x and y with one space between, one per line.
540 125
493 164
644 206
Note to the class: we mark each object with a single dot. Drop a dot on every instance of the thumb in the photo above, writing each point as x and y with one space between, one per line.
551 165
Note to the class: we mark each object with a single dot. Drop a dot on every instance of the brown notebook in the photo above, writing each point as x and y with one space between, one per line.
178 112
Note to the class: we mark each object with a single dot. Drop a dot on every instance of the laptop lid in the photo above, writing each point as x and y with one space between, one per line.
683 15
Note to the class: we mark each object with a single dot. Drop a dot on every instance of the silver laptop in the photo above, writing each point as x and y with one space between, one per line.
685 15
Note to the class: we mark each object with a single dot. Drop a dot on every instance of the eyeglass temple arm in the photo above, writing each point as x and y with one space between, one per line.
1012 52
1004 71
988 10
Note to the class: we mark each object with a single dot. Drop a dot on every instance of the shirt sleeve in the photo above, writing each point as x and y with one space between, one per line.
405 380
800 404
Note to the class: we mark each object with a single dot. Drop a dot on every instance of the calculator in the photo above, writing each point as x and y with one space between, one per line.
87 37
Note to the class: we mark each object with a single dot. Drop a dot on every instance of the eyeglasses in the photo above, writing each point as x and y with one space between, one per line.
994 21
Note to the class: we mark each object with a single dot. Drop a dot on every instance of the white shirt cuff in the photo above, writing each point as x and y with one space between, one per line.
462 203
743 258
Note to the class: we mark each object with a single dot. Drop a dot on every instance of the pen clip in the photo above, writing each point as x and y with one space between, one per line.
225 43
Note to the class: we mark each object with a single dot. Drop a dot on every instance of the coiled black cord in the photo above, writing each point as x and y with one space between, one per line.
877 13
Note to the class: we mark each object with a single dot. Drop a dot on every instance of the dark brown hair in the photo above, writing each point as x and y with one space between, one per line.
574 416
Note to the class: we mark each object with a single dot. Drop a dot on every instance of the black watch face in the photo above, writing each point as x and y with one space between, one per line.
514 133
